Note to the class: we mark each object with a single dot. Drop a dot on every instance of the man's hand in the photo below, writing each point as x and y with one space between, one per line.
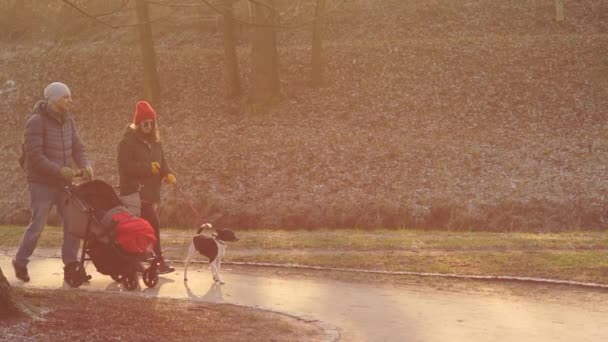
87 173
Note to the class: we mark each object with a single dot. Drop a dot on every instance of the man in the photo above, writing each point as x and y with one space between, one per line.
51 146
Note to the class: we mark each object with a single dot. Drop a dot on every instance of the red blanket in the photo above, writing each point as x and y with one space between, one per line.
134 234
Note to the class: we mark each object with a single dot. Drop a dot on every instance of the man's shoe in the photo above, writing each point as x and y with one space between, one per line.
165 268
21 272
74 269
85 277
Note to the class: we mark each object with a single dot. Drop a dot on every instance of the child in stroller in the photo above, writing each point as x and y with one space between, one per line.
116 242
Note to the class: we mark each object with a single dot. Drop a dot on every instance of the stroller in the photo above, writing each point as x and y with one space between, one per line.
92 208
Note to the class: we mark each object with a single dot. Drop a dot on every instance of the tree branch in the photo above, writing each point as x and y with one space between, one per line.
117 26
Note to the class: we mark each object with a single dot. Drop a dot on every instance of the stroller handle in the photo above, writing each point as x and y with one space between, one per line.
78 177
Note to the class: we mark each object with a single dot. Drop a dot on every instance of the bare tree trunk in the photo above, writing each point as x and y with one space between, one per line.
10 306
15 19
151 83
208 20
317 46
559 10
233 82
69 22
264 56
16 11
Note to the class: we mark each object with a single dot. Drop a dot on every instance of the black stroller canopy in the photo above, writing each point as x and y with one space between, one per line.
98 195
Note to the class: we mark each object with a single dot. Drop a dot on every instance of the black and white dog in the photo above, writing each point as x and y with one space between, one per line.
213 247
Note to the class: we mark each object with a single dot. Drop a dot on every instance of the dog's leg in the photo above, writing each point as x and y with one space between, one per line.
219 271
213 267
219 268
216 270
218 261
191 252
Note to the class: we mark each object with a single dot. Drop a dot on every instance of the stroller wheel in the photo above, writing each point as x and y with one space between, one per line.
150 276
130 281
117 277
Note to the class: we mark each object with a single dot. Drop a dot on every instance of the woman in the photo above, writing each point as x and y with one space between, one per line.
142 166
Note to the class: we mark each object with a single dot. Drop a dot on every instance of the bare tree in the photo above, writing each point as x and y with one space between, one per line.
16 11
151 80
231 67
10 305
264 57
559 10
317 46
13 19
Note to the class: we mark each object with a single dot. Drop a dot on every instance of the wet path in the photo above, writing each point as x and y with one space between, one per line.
363 312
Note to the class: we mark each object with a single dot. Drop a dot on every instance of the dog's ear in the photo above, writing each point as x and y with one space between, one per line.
227 235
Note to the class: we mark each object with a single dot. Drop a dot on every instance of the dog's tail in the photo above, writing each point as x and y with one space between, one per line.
206 225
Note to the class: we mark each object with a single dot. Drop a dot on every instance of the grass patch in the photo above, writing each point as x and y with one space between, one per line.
10 236
354 239
580 256
589 266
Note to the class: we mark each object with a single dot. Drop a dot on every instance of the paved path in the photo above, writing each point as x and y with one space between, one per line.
362 312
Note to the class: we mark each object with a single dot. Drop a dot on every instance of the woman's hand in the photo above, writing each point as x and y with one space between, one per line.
155 168
170 179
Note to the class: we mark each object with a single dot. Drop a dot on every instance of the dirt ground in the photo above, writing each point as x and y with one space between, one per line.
93 316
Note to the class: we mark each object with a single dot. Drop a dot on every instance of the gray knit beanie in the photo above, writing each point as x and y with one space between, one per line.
55 91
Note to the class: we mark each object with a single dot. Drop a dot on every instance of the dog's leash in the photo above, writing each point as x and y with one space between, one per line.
189 203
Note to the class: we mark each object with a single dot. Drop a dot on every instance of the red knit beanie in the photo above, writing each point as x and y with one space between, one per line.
143 111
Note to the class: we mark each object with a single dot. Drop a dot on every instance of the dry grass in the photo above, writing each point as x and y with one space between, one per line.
361 240
579 256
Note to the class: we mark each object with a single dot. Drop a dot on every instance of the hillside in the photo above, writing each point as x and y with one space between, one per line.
473 114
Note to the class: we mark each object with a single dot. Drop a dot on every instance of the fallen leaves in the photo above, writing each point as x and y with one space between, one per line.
482 115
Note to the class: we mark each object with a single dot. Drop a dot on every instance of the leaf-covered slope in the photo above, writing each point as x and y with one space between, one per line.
475 115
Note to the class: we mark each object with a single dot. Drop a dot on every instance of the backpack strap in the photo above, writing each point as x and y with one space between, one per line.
22 157
43 118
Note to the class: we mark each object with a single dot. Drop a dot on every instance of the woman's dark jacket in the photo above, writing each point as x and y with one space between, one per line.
135 157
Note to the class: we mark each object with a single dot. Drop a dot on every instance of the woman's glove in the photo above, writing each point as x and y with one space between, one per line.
155 167
170 179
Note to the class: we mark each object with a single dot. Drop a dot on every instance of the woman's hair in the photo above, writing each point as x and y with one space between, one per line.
155 133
